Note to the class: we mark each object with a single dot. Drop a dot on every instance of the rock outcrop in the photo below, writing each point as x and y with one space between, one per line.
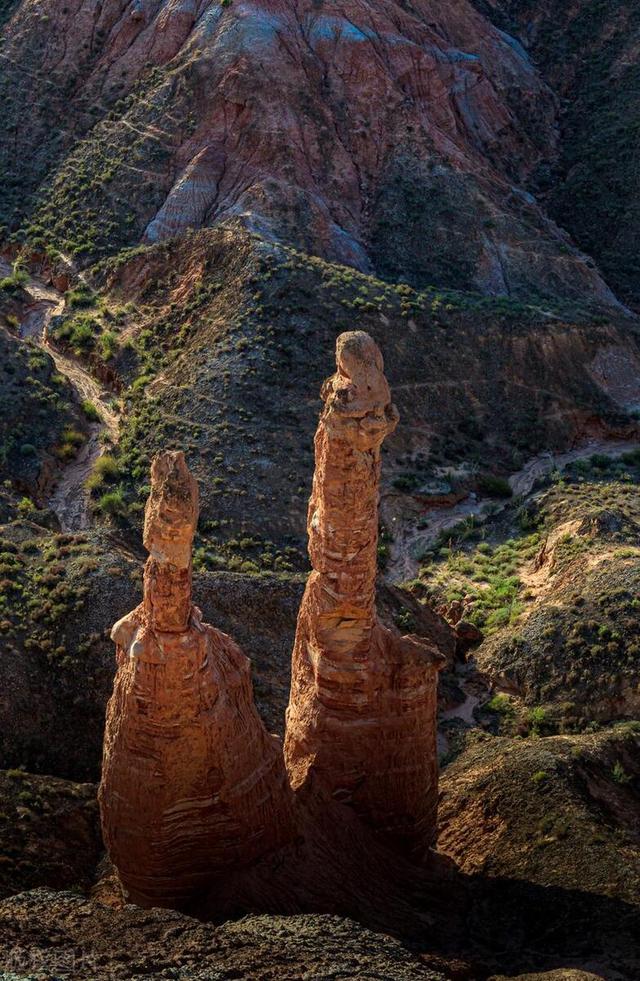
192 783
361 717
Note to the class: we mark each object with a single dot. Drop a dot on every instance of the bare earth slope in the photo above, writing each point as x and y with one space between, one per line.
393 139
233 338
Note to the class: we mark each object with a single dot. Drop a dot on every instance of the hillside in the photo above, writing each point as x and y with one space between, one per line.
165 125
587 52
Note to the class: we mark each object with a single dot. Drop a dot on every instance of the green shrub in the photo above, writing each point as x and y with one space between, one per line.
81 296
72 439
107 466
91 411
106 470
79 332
494 486
619 774
18 278
538 722
501 705
108 345
113 503
407 482
600 461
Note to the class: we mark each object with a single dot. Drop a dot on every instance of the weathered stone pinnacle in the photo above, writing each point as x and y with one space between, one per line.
170 522
361 717
193 787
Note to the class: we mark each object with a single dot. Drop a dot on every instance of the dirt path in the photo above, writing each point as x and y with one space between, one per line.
412 541
476 691
70 499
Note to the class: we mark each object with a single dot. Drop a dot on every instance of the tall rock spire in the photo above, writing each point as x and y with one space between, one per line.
361 718
193 787
170 522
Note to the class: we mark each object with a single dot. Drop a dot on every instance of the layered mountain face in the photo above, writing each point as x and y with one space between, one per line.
398 139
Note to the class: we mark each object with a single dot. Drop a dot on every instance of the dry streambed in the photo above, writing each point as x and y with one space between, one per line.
69 500
411 541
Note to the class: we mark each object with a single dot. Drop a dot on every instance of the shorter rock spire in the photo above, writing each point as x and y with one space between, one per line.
170 522
193 787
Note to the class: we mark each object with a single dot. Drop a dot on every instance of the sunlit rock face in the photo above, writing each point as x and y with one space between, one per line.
361 718
193 786
399 139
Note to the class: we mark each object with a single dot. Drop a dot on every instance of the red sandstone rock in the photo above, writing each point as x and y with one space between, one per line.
361 718
192 784
467 636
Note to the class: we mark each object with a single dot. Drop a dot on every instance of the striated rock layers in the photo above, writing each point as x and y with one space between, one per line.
193 785
361 717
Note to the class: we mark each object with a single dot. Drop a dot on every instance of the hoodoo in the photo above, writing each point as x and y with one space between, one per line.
361 719
193 786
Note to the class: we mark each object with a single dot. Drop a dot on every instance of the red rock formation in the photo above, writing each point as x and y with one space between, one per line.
192 784
361 718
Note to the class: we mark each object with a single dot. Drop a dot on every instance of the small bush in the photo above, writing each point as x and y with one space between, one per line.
600 461
113 503
407 482
80 334
108 345
108 467
106 470
80 297
91 411
620 775
538 722
73 436
494 486
501 705
18 278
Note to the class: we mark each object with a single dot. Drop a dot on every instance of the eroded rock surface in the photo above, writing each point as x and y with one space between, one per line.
192 783
131 944
374 125
361 718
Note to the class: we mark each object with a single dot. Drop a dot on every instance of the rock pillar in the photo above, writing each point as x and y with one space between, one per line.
361 720
193 787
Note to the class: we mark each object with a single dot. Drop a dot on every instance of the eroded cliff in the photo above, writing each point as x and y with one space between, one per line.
372 126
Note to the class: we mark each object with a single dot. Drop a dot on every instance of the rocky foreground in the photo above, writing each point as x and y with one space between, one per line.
536 831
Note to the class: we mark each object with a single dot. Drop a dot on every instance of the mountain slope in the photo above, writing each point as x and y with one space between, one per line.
589 53
396 139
